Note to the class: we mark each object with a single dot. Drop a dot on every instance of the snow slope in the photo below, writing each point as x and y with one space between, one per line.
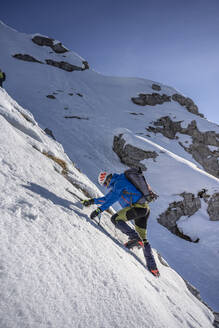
59 269
103 105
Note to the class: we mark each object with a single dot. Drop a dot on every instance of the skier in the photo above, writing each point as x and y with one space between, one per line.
2 77
130 198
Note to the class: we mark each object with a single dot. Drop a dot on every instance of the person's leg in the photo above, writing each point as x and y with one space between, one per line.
126 214
119 220
141 228
141 219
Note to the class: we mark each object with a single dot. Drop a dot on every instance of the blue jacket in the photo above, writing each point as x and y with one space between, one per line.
122 190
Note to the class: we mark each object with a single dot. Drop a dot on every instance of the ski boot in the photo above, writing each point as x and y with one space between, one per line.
135 242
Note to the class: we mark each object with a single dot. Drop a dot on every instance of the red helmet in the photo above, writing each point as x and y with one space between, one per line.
103 176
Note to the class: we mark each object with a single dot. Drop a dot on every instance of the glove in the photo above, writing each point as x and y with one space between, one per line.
95 213
87 202
152 196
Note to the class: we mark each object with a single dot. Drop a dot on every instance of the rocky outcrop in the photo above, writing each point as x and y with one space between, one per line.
86 65
187 207
77 117
27 58
213 207
49 133
150 99
130 155
188 103
58 48
156 87
155 99
199 148
51 96
48 42
64 65
167 127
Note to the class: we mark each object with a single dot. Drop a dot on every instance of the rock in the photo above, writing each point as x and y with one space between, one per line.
187 207
130 155
150 99
86 65
77 117
43 41
194 291
59 48
186 102
168 128
63 65
56 47
156 87
49 133
213 207
27 58
200 141
51 96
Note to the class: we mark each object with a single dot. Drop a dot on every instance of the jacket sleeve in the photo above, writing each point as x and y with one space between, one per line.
108 200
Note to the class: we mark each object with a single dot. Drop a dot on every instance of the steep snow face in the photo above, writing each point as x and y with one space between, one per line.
59 269
86 109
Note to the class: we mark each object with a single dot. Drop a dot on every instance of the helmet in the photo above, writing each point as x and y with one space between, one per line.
103 176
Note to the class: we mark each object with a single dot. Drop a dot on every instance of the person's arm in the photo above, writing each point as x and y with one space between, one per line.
4 76
108 200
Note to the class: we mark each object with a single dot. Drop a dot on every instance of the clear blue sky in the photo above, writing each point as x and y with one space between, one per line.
172 42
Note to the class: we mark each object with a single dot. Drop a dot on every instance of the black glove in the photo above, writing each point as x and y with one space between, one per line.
151 197
95 213
87 202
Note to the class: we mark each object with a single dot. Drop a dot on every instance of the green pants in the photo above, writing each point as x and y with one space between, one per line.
137 212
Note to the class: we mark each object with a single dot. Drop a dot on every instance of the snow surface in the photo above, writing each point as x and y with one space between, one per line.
105 109
59 269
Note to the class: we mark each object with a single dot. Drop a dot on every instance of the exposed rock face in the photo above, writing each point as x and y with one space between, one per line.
51 97
49 133
64 65
86 65
155 99
200 141
130 155
59 49
167 127
187 207
48 42
188 103
42 41
150 99
27 58
156 87
213 207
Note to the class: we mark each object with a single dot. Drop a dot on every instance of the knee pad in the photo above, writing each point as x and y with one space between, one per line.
113 219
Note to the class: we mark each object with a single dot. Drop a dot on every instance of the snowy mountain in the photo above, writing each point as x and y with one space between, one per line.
58 268
101 122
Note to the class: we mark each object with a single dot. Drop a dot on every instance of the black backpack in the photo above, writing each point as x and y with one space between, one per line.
136 177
